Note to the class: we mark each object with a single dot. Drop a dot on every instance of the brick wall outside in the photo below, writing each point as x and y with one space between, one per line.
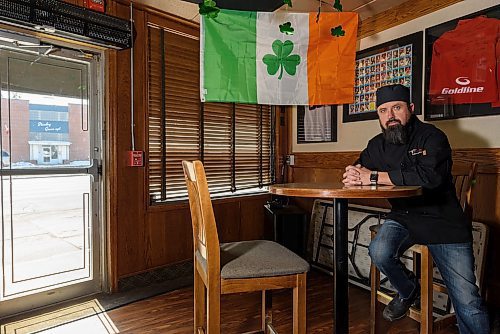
15 131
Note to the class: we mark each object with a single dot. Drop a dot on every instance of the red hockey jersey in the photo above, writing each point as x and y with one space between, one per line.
464 65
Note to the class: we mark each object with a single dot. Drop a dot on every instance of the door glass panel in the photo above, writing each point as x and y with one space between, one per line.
47 235
45 112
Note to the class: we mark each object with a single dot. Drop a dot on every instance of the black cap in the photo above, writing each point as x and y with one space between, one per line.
391 93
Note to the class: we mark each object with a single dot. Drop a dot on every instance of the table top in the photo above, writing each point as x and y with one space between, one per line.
339 190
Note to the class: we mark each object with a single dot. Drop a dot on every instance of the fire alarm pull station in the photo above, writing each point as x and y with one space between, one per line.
135 158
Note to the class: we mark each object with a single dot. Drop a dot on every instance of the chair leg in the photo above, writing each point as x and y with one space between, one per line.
213 309
267 311
374 286
299 305
199 301
426 294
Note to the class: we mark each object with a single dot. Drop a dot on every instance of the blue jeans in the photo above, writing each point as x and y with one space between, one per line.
455 263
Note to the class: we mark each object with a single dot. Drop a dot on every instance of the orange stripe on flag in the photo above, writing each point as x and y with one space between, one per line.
331 60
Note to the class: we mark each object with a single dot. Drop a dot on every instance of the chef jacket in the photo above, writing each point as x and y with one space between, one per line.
435 216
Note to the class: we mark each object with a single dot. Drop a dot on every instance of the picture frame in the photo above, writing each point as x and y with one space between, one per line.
467 85
396 61
316 124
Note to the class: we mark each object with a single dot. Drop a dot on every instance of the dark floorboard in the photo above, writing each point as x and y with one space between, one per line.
173 312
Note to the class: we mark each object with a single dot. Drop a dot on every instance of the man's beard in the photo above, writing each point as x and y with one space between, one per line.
395 134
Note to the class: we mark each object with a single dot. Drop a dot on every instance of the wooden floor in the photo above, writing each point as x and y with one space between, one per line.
173 312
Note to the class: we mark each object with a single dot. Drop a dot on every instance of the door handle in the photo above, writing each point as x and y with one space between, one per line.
95 170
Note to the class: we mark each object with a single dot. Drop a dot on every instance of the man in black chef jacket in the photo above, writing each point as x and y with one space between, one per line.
411 153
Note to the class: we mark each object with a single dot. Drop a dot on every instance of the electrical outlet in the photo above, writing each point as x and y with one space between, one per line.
290 159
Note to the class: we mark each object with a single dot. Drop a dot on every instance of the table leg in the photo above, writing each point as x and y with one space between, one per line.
340 272
275 228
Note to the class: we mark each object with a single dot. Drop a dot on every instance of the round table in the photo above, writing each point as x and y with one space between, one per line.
340 194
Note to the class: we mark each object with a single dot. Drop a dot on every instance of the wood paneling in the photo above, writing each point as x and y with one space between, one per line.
329 167
252 210
75 2
159 13
336 160
227 216
397 15
143 237
171 237
488 159
132 239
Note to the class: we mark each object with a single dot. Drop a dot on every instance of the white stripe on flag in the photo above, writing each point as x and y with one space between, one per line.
290 90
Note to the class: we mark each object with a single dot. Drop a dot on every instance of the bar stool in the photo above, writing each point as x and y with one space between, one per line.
464 175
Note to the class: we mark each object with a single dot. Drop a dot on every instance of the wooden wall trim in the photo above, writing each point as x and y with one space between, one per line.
110 163
163 207
336 160
488 159
400 14
160 13
110 168
392 17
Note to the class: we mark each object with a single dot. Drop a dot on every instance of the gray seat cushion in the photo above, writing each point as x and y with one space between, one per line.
258 258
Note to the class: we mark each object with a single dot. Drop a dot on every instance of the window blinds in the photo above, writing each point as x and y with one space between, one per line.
234 141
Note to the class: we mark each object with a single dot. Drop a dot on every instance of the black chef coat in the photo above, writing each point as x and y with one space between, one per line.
435 216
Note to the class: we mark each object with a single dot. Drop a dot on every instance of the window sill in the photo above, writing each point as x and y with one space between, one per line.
184 204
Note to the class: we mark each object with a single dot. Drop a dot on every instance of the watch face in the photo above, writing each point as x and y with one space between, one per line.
374 177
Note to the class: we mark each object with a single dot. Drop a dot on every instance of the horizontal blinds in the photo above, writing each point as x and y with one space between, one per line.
217 152
232 140
155 117
173 115
252 150
182 104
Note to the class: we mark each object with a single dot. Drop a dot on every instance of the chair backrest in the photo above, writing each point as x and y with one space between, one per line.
464 178
205 238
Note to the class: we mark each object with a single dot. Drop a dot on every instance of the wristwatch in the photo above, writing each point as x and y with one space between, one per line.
374 178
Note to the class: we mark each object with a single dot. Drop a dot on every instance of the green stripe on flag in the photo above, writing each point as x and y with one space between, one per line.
229 57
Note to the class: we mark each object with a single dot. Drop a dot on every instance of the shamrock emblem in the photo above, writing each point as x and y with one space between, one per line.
337 31
282 59
337 5
288 2
208 8
286 28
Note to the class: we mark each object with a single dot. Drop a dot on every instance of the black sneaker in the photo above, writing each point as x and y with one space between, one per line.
398 307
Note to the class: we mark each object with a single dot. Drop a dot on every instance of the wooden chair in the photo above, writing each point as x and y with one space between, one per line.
237 267
464 175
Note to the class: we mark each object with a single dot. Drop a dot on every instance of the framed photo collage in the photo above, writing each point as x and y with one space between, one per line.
395 62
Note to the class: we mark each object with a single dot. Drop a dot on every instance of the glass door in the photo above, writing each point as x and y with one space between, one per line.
50 189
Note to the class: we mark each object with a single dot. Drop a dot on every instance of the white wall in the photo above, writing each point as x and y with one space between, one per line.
471 132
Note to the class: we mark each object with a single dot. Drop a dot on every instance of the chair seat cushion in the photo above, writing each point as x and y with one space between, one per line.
257 258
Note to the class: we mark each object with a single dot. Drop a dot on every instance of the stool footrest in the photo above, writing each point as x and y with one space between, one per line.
439 288
385 298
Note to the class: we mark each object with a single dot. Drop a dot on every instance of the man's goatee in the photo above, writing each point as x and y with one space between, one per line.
396 134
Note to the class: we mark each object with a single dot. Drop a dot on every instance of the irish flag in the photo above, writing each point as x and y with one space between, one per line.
254 57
